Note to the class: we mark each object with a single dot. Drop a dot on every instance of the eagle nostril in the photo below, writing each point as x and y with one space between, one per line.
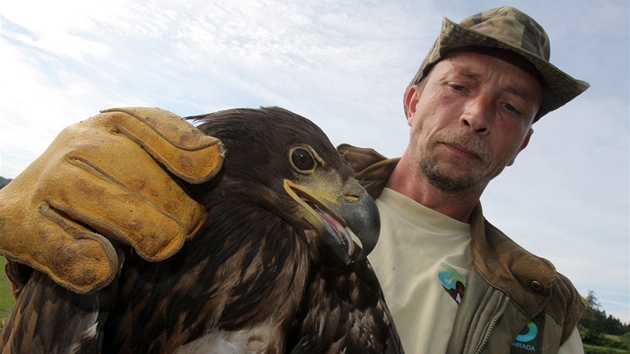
352 198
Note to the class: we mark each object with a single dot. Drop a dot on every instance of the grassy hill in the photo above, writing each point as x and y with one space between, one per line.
6 295
609 344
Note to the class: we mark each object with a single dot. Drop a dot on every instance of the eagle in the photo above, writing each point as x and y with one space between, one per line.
279 265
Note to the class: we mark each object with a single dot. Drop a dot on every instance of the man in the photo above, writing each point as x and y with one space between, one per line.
470 107
454 282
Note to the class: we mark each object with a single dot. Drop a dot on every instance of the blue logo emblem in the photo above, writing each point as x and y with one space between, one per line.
532 332
524 341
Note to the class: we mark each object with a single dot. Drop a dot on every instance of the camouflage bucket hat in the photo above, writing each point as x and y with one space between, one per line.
510 29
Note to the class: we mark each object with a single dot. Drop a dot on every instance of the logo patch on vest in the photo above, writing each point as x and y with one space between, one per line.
529 340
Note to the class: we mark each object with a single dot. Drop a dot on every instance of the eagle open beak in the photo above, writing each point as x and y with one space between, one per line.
350 222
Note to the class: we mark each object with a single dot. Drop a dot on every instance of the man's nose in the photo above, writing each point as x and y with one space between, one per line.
477 115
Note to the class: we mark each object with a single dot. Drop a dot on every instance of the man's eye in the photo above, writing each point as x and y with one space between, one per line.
508 107
458 88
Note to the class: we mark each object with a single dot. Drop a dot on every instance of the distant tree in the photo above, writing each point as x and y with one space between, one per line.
591 326
613 326
4 181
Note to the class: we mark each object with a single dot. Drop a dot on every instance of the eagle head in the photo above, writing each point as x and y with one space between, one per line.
285 163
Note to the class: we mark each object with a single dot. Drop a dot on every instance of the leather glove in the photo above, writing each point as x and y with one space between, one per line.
111 177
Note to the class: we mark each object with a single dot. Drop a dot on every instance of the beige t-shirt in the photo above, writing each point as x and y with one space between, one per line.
422 259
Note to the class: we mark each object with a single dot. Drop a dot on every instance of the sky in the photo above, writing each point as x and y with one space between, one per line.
344 65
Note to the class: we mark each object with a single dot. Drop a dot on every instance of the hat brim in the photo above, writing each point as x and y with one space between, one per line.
559 89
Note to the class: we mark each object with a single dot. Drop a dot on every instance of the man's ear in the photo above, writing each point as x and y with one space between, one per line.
411 101
523 146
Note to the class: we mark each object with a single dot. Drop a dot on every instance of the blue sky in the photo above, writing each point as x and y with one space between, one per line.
344 65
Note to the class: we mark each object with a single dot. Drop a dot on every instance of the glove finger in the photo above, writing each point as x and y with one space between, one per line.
116 209
182 148
73 256
108 162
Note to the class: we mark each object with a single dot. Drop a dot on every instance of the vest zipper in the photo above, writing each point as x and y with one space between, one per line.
493 324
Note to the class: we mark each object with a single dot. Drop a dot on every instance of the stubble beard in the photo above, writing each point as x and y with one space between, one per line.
444 180
448 181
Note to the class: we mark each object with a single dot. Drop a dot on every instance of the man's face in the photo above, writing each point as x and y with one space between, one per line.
469 119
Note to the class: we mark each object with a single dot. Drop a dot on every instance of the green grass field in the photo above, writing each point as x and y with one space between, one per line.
6 295
593 349
610 344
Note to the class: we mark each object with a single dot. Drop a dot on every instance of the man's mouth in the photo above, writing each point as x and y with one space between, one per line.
463 151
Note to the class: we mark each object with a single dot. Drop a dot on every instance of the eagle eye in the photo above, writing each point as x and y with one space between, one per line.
302 160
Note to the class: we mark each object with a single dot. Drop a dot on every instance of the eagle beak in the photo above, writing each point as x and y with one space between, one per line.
348 221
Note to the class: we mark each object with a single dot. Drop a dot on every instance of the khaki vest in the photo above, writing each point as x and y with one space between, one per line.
515 302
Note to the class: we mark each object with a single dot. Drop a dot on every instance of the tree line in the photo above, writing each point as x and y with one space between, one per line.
4 181
596 327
